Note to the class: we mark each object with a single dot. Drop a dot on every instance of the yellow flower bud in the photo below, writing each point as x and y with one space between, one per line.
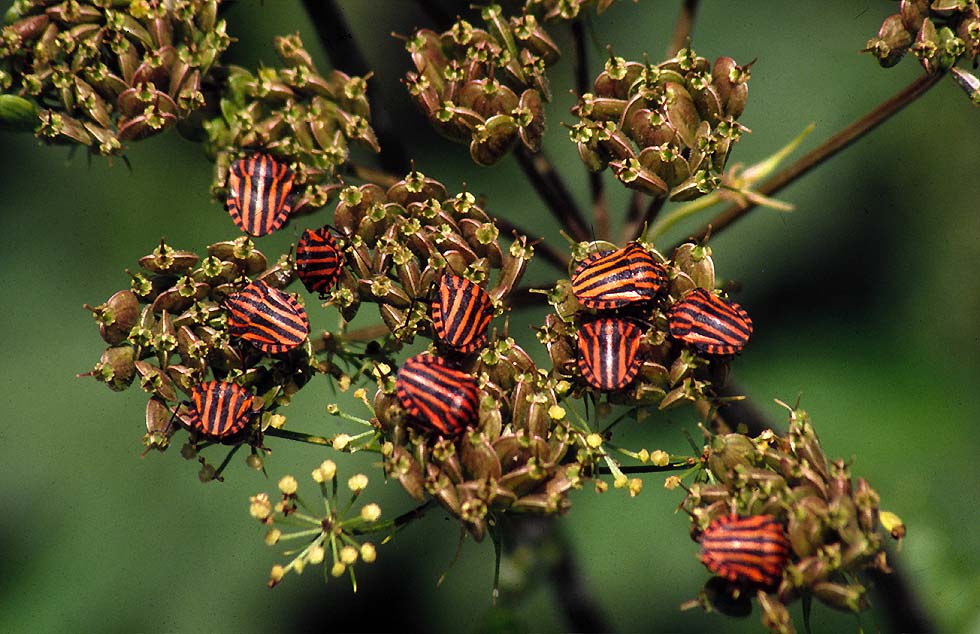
370 512
357 482
315 555
338 569
328 470
276 575
643 455
288 485
601 486
368 553
348 555
635 486
276 421
260 507
672 482
272 537
593 440
556 412
340 441
660 458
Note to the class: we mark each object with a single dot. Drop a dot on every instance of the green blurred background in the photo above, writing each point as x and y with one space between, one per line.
865 302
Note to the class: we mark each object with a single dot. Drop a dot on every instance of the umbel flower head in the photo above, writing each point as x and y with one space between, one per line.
186 321
486 85
304 119
665 130
101 73
622 324
939 33
807 527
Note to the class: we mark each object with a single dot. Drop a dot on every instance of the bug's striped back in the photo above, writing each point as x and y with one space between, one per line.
271 320
461 313
436 396
750 550
219 409
709 323
259 190
319 262
608 352
615 279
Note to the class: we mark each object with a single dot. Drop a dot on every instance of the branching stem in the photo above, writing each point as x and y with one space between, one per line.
829 148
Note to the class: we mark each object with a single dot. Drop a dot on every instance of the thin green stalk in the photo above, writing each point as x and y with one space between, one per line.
298 436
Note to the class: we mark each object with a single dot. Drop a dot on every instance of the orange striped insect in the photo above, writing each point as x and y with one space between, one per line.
608 352
319 262
461 313
749 550
437 396
269 319
259 189
615 279
709 323
219 409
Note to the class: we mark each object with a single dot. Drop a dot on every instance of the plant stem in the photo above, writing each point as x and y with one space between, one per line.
344 53
551 255
398 522
372 175
634 229
600 212
522 297
298 435
829 148
553 192
676 466
683 27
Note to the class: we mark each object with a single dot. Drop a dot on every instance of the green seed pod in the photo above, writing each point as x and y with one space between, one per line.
728 452
913 12
847 598
155 381
775 616
892 42
116 367
117 316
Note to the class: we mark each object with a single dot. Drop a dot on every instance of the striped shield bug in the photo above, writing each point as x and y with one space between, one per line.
749 550
461 313
319 262
437 396
269 319
608 352
615 279
259 189
709 323
219 409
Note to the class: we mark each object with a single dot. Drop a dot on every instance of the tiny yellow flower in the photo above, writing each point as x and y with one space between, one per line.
272 537
338 569
620 482
276 421
316 555
601 486
348 555
368 553
660 458
288 485
260 507
370 512
672 482
340 441
593 440
357 482
556 412
276 574
635 486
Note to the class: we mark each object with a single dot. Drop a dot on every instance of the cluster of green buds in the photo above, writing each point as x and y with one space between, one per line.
665 130
940 33
565 9
329 535
293 112
484 86
670 373
169 330
832 522
401 241
102 72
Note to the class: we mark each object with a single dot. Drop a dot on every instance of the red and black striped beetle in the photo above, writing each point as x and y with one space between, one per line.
461 314
259 189
219 409
608 352
748 550
319 261
269 319
614 279
709 323
437 396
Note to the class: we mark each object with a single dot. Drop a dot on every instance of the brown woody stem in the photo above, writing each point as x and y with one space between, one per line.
829 148
553 192
683 27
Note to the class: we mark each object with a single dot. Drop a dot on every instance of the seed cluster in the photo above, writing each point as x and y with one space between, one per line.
105 73
665 130
302 118
800 509
940 34
486 85
638 326
187 320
